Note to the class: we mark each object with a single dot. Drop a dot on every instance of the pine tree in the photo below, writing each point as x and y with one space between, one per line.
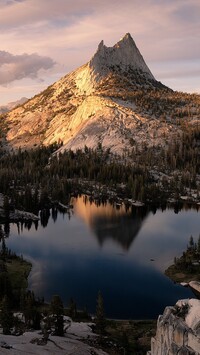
191 242
6 316
72 308
5 284
57 310
29 308
6 207
100 315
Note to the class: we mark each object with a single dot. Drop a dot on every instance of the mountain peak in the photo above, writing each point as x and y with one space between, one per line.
113 100
126 38
124 55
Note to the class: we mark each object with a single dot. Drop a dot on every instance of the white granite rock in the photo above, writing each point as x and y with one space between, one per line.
178 330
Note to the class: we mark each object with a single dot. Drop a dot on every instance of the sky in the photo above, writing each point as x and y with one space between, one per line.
42 40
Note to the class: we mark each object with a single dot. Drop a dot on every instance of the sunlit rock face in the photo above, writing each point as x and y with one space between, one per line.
178 330
124 56
100 102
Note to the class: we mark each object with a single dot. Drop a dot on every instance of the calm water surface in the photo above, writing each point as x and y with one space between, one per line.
108 249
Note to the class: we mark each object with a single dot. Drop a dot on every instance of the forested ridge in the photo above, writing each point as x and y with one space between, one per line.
30 178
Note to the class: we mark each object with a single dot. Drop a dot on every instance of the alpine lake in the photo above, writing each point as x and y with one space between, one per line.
123 252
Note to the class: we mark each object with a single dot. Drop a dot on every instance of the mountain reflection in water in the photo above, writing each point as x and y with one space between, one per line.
77 252
108 221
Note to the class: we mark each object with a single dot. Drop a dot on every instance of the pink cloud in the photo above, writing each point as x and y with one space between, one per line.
17 67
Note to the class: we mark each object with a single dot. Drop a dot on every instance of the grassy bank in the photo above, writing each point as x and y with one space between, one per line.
14 272
183 275
129 336
18 271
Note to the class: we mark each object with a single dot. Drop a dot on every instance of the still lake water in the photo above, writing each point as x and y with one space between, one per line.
109 249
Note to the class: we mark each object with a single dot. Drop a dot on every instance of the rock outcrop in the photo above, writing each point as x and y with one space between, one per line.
195 287
124 55
178 330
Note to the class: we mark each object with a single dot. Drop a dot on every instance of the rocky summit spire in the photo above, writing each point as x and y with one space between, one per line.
124 55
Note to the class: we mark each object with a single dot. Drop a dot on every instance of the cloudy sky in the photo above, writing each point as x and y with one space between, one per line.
42 40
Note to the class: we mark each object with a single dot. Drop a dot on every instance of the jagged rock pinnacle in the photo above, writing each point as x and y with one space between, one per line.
124 54
127 37
123 59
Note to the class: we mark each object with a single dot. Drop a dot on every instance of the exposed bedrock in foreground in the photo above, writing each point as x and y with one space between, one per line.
178 330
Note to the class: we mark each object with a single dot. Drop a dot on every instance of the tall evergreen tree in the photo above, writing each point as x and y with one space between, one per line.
191 242
6 207
6 316
57 311
72 308
100 315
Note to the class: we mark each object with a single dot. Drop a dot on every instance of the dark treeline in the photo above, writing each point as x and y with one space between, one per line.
32 178
181 160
